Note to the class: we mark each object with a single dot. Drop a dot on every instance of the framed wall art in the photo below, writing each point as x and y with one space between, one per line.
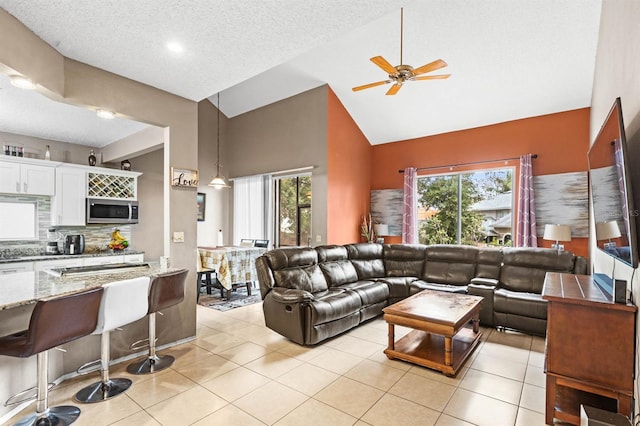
202 200
184 178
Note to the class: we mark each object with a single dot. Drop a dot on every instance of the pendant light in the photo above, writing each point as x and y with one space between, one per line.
218 182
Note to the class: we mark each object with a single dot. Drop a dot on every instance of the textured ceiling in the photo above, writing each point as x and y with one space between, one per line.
509 59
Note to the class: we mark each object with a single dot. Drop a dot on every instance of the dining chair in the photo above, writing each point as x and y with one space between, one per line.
247 242
261 243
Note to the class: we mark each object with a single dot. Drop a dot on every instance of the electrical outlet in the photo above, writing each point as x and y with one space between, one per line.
318 238
178 237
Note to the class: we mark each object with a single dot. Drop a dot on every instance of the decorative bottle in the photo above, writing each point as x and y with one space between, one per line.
92 158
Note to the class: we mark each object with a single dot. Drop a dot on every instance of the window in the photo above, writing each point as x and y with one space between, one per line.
472 208
293 206
18 221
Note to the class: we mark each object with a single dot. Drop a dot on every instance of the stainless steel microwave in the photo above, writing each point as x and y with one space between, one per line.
111 211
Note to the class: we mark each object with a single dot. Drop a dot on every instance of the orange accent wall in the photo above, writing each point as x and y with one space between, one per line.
349 170
561 141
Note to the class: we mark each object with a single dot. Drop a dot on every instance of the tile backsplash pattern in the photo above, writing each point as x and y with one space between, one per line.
96 237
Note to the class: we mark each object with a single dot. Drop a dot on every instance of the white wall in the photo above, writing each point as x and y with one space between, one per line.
618 75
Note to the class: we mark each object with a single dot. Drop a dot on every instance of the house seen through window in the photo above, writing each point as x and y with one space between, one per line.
473 208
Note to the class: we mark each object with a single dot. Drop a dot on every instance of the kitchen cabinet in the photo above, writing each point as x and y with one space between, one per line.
57 263
68 206
112 184
10 268
34 177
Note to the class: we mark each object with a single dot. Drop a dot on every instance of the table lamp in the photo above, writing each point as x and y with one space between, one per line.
607 231
557 233
381 230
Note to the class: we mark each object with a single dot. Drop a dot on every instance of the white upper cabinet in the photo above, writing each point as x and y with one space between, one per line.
68 206
34 177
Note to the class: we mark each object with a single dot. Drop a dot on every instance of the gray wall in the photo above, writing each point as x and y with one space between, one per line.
285 135
618 75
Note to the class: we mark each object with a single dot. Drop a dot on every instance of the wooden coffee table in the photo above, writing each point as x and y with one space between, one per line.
442 338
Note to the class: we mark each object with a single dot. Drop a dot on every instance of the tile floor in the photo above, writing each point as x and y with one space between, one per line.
238 372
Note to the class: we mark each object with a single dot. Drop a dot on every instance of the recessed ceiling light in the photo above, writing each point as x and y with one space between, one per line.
103 113
22 82
175 47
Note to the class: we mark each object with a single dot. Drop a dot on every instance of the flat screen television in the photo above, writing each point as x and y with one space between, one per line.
611 192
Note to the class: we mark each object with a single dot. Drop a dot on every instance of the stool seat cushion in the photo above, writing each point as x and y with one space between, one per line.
123 302
166 290
55 322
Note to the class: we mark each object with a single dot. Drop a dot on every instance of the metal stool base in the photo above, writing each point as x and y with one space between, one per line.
99 391
151 364
56 416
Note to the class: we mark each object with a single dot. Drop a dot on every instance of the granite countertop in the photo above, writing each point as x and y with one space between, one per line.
23 288
17 259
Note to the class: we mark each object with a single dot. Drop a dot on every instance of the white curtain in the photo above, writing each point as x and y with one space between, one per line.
252 208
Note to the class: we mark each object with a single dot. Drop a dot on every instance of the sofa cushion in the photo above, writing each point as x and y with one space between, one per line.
419 285
449 264
398 286
488 263
370 292
339 272
289 257
520 303
332 305
309 278
331 253
403 260
524 269
366 258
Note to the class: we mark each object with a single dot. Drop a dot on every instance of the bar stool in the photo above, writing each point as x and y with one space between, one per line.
165 290
53 322
123 302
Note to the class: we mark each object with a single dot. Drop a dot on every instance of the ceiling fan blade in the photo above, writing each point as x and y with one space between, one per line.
431 66
367 86
432 77
384 64
393 89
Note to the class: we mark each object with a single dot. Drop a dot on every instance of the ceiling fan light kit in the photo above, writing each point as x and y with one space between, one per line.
402 73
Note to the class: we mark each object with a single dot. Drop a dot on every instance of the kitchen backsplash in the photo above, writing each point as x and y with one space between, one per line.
96 237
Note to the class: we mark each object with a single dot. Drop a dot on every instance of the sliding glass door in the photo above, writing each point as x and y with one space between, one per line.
293 205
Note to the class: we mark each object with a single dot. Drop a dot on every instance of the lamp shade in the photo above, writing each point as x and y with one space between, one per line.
557 232
607 230
381 229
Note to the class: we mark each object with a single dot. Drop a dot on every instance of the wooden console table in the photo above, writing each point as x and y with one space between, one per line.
589 350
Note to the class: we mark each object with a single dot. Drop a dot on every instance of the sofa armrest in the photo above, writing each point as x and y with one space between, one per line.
486 291
290 295
489 282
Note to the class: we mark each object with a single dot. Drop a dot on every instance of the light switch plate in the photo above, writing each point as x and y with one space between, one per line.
178 237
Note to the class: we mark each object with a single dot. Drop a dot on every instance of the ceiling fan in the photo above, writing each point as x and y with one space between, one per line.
403 73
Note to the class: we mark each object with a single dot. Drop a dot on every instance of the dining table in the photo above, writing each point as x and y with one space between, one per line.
234 265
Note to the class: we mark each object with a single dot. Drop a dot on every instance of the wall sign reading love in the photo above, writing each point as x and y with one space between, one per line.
184 178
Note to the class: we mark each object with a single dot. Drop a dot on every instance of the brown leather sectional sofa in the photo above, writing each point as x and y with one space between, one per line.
311 294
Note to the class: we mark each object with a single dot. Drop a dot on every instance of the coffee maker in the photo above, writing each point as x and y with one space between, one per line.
74 244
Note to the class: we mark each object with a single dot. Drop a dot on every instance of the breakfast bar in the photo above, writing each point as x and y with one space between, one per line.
20 291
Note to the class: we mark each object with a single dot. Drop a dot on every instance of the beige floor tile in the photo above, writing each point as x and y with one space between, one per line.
529 418
536 359
439 376
187 407
533 398
445 420
141 418
236 383
206 369
511 338
535 376
499 351
315 413
354 398
104 413
337 361
538 344
375 374
423 391
273 364
372 334
479 409
159 387
186 354
381 358
229 415
497 387
307 379
505 368
391 410
270 402
244 353
218 343
355 346
302 353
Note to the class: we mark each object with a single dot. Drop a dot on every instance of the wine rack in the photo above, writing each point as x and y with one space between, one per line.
101 185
